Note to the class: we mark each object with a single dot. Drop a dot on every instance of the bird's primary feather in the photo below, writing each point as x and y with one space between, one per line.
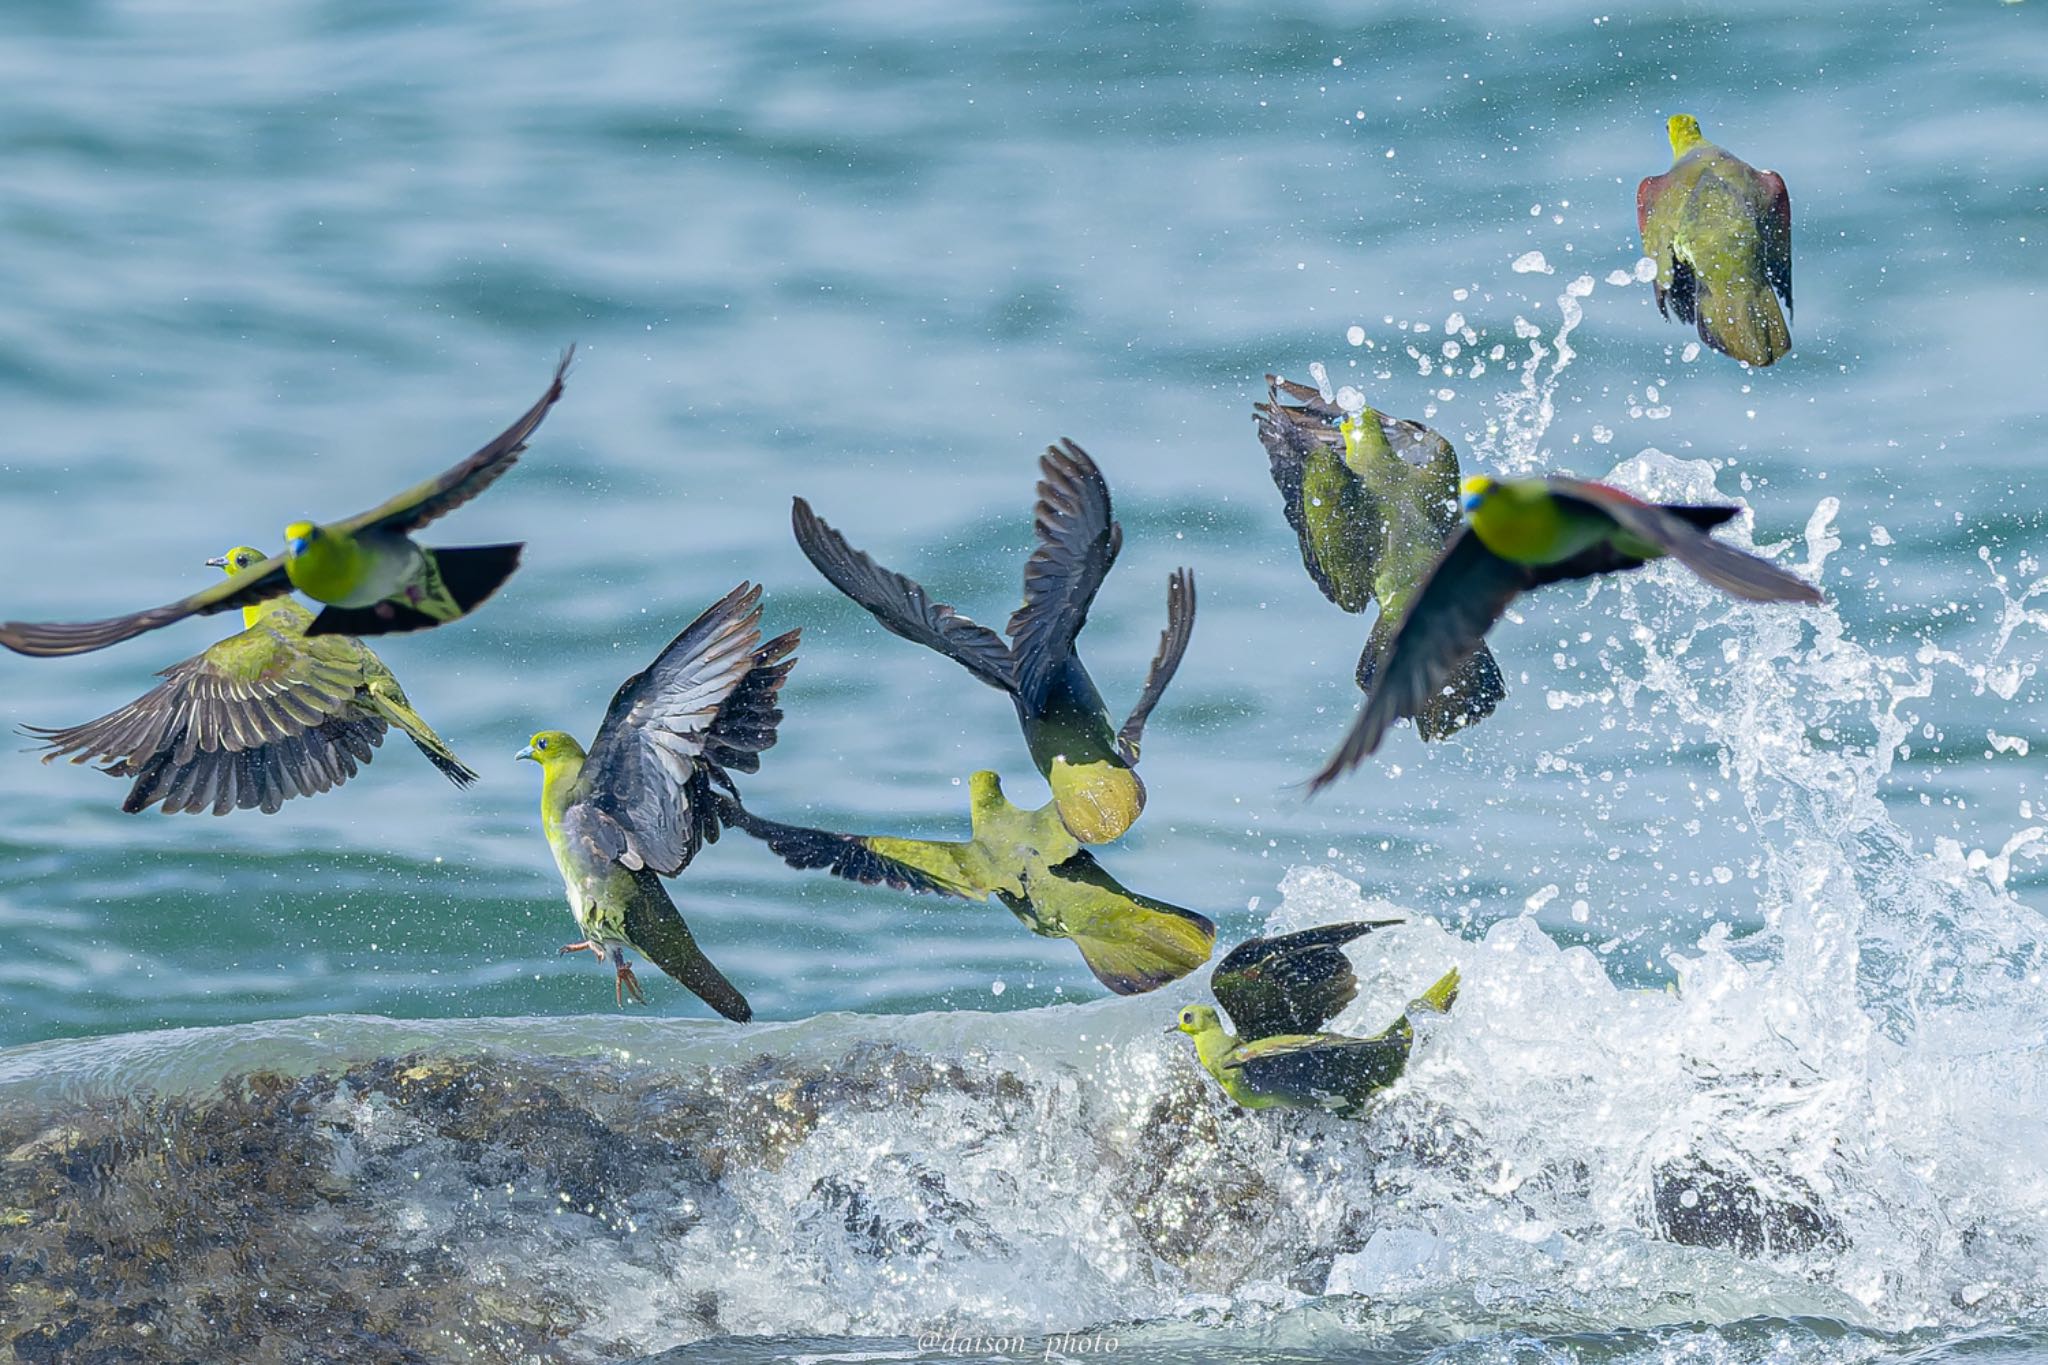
450 489
900 604
1173 643
633 798
1077 541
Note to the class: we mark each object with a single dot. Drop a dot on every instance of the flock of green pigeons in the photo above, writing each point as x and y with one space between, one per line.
294 703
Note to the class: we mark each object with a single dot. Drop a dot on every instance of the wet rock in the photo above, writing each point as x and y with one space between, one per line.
1701 1204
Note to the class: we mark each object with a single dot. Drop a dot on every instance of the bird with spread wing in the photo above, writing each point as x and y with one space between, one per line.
1091 767
1033 864
1520 534
1279 993
639 803
369 572
1372 499
253 720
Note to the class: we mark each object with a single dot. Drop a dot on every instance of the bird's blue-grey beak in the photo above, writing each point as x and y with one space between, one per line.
217 562
527 752
1470 502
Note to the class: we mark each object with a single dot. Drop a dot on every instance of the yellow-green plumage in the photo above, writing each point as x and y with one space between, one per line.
640 802
1372 499
1033 864
374 578
253 720
1720 232
1279 992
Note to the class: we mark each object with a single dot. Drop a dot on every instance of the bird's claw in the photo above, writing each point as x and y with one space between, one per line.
629 987
584 947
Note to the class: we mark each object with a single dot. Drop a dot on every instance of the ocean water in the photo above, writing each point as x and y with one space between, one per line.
1752 891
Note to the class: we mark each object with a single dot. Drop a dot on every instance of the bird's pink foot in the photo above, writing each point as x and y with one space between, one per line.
584 947
629 986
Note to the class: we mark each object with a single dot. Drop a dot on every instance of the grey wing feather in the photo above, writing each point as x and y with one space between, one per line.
847 856
1173 643
1078 541
900 604
1736 572
632 800
450 489
45 639
1289 983
1466 593
1290 435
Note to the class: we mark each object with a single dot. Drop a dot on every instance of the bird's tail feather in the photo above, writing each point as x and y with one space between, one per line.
656 928
472 573
399 712
1144 950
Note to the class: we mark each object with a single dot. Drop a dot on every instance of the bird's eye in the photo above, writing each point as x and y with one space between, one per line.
540 744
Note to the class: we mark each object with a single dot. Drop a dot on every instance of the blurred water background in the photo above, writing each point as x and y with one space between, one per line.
266 262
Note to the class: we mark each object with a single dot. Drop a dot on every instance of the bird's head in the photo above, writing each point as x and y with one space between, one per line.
1198 1019
550 747
235 561
1684 132
300 537
1474 492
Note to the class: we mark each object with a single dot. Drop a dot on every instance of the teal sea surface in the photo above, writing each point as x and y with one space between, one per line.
1745 892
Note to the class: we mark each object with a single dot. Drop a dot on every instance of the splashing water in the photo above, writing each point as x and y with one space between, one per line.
1835 1117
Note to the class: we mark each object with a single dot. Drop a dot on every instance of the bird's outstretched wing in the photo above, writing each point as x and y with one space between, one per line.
444 493
1337 520
1322 1070
901 604
633 802
1173 643
1289 983
1078 540
1465 594
252 721
1677 531
920 865
656 928
1131 942
257 583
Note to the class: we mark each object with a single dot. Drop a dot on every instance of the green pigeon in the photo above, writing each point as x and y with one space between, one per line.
639 803
374 578
1028 860
1520 534
1091 767
253 720
1279 992
1372 499
1720 232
